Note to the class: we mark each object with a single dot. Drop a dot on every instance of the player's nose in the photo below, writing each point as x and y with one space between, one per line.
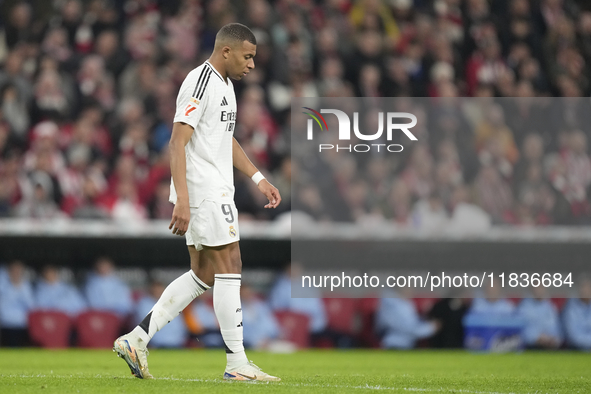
250 64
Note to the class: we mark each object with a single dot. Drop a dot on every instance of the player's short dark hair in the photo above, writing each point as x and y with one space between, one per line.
236 32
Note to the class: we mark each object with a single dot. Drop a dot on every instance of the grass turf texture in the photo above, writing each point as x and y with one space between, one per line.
188 371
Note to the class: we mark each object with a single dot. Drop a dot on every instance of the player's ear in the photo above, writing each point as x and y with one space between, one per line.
226 52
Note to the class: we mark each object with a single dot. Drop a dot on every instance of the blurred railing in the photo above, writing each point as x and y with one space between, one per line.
77 244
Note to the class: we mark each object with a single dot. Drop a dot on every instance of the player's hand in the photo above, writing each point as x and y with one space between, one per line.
270 192
180 218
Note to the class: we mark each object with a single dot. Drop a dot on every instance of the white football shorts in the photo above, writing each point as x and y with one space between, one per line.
213 224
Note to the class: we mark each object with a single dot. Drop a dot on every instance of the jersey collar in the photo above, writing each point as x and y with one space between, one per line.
215 71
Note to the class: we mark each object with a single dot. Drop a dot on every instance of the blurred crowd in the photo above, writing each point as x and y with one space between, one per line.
478 161
275 321
23 292
88 88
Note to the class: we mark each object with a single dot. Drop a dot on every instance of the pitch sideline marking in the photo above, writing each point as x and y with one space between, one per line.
334 386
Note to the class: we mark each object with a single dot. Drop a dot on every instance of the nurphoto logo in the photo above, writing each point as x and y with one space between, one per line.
344 131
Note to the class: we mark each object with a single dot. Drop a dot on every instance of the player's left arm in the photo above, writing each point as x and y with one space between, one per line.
244 165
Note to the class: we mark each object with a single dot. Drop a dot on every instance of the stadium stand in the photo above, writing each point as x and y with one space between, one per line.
88 91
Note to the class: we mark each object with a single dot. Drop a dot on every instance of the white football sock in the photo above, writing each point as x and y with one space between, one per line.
173 300
226 304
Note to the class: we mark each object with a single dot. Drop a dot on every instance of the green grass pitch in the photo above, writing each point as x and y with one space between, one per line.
314 371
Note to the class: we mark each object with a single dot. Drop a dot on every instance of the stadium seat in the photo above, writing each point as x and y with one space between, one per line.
341 325
295 328
97 329
49 329
341 314
559 303
367 309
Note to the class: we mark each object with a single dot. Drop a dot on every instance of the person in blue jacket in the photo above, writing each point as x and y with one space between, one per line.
577 318
542 322
398 320
16 301
52 293
106 292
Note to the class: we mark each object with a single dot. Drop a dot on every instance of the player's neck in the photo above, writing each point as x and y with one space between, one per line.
218 66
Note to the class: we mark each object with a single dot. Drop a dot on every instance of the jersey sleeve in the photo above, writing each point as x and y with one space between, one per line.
191 100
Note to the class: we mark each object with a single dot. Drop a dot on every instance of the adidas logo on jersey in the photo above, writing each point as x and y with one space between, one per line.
224 102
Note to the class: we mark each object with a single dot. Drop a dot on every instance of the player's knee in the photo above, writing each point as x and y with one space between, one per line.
232 265
236 265
236 260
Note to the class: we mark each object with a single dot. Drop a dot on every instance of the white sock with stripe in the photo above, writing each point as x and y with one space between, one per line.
226 304
173 300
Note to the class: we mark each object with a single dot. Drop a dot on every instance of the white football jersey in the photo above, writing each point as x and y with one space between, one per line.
208 104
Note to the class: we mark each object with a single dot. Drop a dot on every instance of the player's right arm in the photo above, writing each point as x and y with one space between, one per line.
190 105
181 134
